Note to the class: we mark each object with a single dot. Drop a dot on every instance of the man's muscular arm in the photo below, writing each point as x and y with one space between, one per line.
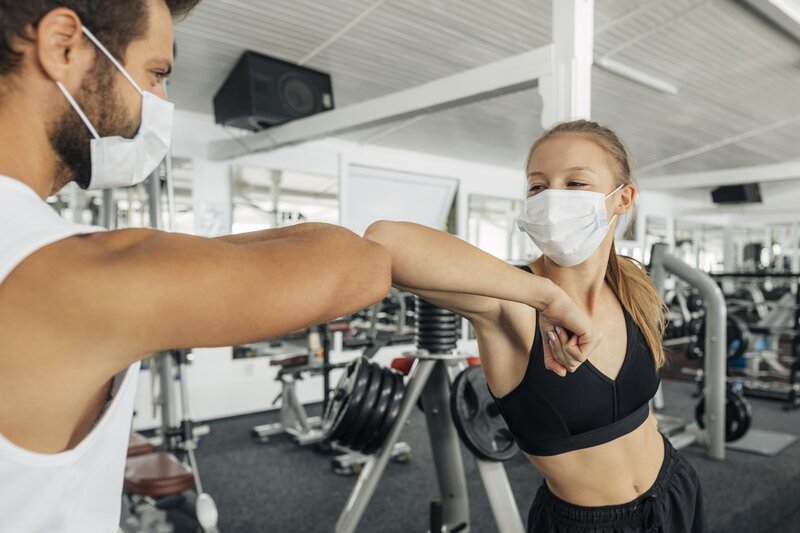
129 293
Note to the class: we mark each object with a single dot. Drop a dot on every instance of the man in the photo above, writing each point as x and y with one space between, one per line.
81 99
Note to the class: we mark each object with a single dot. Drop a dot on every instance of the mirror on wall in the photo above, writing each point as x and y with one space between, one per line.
655 232
130 207
700 245
492 227
267 198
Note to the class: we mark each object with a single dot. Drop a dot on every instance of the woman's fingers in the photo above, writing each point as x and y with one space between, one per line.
551 361
579 347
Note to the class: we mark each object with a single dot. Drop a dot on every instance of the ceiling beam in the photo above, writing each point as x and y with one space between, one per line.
744 216
680 15
341 33
488 81
700 150
729 176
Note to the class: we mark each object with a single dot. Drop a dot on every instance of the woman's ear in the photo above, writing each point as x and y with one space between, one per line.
626 199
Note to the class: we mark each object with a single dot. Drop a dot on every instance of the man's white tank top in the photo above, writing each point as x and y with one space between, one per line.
79 490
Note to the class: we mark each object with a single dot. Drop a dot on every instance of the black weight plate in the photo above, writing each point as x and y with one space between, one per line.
395 403
451 339
438 345
445 337
378 411
427 307
435 313
437 333
694 302
477 417
425 337
696 326
736 330
432 309
694 351
438 348
392 410
340 398
363 410
738 416
354 385
438 322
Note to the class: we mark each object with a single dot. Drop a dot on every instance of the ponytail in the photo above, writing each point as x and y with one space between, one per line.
638 295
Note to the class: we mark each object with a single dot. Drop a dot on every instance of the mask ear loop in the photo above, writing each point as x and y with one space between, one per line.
78 109
170 185
615 217
615 190
111 58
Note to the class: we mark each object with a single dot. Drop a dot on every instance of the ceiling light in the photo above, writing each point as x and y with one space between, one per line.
635 75
791 8
784 13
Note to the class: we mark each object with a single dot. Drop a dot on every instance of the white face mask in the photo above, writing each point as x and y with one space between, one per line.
567 226
120 162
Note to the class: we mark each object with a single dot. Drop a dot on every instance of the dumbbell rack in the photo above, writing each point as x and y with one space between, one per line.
429 379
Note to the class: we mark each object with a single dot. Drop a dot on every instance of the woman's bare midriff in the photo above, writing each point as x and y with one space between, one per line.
613 473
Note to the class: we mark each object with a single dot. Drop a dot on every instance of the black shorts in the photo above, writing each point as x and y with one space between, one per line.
673 504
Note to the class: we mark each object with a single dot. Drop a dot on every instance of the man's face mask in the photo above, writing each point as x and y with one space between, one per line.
120 162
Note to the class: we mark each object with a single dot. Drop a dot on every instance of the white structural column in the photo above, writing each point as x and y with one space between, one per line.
567 92
728 249
768 244
794 246
670 233
77 203
212 198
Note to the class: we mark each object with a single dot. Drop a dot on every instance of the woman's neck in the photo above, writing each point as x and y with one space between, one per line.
584 283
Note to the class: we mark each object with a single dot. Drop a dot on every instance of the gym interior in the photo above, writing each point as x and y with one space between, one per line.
351 111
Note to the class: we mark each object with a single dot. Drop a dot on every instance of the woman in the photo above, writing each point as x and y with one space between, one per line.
571 344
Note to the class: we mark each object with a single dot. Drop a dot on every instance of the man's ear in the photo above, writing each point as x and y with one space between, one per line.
63 53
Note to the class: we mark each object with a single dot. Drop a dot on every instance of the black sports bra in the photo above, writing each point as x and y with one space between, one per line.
550 415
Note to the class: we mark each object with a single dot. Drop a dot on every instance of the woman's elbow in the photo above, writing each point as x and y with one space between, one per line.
381 231
380 269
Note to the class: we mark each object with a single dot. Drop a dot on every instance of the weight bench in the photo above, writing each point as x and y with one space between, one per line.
155 475
294 419
154 482
139 445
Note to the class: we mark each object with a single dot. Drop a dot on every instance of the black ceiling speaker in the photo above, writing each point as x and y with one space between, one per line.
746 193
261 92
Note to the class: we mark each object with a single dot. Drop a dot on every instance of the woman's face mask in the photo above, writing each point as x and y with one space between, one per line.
566 225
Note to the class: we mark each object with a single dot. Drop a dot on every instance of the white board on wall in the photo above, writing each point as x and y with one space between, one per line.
369 194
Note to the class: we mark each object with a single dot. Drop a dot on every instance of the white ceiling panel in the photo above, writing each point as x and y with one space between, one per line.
735 73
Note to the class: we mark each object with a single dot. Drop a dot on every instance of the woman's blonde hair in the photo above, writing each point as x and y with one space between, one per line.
626 276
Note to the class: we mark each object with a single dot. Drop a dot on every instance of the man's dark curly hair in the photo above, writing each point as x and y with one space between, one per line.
116 23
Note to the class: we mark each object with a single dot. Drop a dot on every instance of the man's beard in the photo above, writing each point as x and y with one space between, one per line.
71 139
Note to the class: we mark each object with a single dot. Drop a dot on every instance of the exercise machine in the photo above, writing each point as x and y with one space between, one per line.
430 378
167 481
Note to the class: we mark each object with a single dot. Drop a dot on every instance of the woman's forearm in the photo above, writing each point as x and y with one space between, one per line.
427 259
